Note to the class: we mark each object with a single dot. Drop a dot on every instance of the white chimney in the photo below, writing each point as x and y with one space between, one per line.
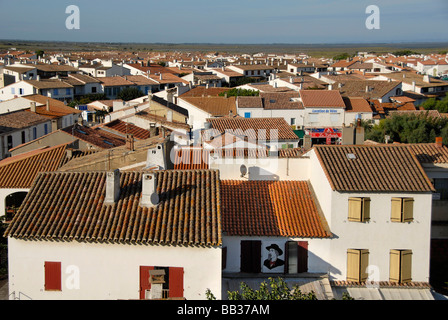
169 116
33 106
112 187
150 197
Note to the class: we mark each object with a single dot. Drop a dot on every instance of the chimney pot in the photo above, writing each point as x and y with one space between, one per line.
112 187
150 197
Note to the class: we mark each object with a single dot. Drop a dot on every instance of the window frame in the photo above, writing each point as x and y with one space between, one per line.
360 213
402 209
357 263
400 265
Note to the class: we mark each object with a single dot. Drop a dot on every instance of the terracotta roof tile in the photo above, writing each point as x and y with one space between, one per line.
216 106
21 170
321 98
97 137
70 207
252 127
373 168
271 208
128 128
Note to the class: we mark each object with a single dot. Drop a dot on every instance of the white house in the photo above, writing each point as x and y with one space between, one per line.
82 263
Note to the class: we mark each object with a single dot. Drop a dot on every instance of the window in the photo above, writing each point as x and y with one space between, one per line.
296 257
357 263
21 91
314 117
402 210
173 286
250 256
334 117
293 121
441 186
67 91
34 133
13 91
9 142
45 128
56 92
53 280
247 115
23 137
359 209
93 89
400 266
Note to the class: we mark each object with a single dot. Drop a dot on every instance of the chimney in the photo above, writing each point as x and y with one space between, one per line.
150 198
33 106
48 105
169 116
112 187
439 142
130 142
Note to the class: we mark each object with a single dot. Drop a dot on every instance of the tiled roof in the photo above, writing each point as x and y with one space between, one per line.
357 105
216 106
49 84
128 128
21 170
252 127
357 88
201 91
321 98
429 152
57 109
97 137
373 168
70 207
191 159
270 208
115 81
18 120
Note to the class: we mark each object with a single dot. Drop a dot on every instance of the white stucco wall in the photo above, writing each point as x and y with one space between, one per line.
380 235
262 169
318 253
107 271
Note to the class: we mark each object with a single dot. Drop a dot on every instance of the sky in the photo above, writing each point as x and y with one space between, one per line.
231 21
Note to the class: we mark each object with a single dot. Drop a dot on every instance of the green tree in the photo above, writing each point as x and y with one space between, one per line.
276 289
406 128
341 56
130 94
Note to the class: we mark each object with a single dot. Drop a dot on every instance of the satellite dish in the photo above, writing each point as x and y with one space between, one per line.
243 170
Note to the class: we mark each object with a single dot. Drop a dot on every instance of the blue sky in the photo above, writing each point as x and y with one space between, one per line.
231 21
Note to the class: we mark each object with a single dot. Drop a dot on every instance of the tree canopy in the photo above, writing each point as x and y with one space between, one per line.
408 128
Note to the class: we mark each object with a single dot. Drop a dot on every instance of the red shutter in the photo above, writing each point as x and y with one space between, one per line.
176 282
144 281
302 256
53 279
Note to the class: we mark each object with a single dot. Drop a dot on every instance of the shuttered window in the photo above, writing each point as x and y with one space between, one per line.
296 256
357 263
359 209
402 210
174 281
53 281
400 266
250 256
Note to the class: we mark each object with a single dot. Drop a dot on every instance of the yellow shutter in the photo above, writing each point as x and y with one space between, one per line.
394 267
354 209
406 266
396 210
364 263
408 209
366 209
353 264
